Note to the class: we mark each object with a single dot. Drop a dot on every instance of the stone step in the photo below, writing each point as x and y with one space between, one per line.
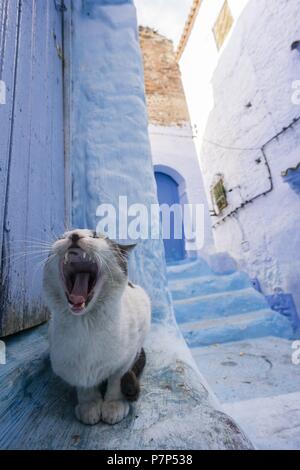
219 305
248 369
258 385
186 269
26 357
37 408
206 285
275 426
236 328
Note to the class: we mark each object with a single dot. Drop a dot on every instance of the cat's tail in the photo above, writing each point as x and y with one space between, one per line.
139 363
130 385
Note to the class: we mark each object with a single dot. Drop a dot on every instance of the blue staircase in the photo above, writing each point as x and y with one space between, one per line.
211 308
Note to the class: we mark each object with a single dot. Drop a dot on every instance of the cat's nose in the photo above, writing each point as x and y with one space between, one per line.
74 237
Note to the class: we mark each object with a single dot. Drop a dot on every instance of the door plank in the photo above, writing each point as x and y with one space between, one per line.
34 200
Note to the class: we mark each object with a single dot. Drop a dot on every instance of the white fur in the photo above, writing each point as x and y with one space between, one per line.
102 343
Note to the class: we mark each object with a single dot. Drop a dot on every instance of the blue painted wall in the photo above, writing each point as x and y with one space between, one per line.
31 154
109 137
292 177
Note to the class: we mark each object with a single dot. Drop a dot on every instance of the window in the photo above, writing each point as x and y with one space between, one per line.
219 196
223 25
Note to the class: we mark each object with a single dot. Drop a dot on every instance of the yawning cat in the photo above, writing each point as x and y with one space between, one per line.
98 322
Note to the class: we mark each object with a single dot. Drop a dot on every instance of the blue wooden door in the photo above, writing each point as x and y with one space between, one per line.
167 193
32 169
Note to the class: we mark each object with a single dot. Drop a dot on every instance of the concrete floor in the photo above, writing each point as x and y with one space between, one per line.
259 386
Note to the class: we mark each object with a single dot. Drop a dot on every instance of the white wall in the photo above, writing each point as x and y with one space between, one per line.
173 147
256 65
200 59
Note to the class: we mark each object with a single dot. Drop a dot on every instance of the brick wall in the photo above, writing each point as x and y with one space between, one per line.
164 92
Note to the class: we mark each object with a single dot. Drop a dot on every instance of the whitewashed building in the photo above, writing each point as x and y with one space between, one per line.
240 64
176 166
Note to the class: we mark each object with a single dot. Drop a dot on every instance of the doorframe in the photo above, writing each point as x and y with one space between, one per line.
182 191
67 25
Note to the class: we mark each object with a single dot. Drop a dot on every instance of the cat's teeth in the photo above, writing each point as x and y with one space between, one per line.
66 259
84 255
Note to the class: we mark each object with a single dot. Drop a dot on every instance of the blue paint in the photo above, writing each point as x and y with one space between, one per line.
211 284
31 154
223 305
110 147
257 325
111 156
285 305
167 193
188 269
256 284
292 177
37 408
213 308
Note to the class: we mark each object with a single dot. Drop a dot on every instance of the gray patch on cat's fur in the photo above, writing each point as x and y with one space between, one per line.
121 252
130 385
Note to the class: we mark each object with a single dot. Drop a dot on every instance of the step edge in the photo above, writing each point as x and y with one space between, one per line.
191 279
232 320
237 292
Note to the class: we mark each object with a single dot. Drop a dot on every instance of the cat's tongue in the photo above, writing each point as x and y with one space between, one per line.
79 292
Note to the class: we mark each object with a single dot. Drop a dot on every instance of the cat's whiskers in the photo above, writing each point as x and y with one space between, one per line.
19 255
34 239
41 264
102 260
29 246
22 259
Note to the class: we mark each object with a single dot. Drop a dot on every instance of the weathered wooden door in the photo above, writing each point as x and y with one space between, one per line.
31 154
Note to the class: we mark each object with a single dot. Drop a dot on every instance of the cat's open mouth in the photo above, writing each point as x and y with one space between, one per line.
80 274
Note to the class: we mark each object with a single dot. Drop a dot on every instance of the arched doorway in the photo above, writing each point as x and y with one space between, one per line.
168 193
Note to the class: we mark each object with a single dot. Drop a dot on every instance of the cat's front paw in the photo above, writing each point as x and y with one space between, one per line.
114 411
89 413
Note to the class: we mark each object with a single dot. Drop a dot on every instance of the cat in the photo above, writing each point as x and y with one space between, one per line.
98 323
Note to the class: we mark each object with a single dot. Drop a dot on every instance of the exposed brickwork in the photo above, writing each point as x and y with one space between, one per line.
164 91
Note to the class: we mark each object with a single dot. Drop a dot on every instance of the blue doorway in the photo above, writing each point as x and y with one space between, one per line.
168 193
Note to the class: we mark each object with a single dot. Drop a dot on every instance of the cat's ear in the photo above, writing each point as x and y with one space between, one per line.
126 249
